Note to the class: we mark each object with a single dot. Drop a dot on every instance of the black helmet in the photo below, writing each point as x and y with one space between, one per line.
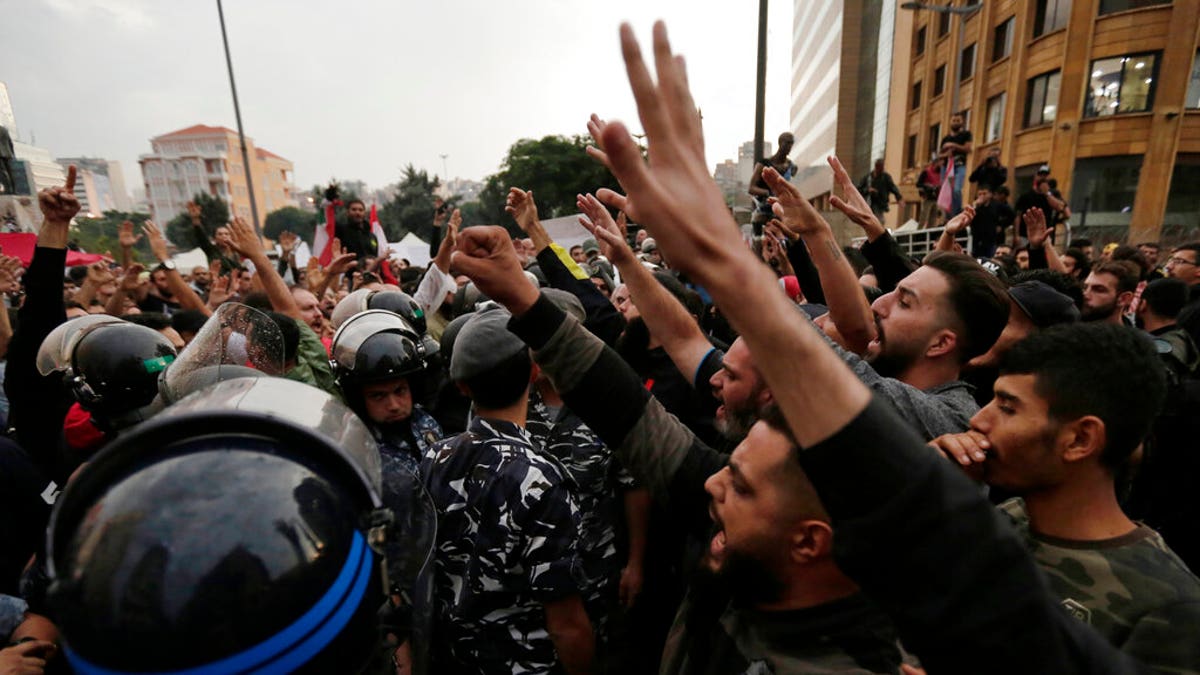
229 534
112 366
396 302
375 345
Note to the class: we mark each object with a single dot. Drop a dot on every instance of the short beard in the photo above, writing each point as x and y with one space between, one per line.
742 578
890 364
735 425
1098 313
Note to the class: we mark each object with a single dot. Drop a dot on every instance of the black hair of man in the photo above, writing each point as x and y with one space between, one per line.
1125 252
856 259
71 304
291 334
1165 297
1001 190
1193 246
503 384
1063 283
977 298
355 201
258 300
188 321
154 320
686 296
1081 259
1128 274
1080 243
1095 368
1150 244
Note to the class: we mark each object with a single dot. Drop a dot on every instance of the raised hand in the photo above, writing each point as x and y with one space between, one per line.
851 203
10 274
673 194
132 280
960 222
126 236
521 206
222 290
968 449
456 218
595 127
1035 226
486 255
158 244
59 204
244 239
98 274
796 215
449 242
609 234
314 276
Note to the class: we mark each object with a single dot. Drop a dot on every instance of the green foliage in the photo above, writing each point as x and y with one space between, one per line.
214 213
412 208
297 221
472 214
555 168
98 235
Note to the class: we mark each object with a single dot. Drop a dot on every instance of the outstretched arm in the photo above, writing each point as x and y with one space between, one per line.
666 318
246 242
1041 250
848 306
180 290
949 239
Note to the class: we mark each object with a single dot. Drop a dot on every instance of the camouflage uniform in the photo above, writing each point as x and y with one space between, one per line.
1132 589
507 526
598 481
397 451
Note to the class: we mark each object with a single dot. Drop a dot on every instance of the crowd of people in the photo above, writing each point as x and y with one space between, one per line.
662 450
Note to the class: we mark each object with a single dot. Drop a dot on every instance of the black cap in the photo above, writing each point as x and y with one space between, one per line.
1043 305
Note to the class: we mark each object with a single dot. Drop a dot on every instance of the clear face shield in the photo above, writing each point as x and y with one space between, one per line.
236 341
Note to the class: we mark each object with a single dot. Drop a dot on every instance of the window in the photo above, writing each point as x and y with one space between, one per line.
1002 39
919 42
1122 84
1041 102
1110 6
935 140
966 63
1051 15
995 117
1105 187
943 24
910 151
916 95
939 80
1193 91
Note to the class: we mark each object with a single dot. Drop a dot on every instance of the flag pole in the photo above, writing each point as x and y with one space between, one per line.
237 112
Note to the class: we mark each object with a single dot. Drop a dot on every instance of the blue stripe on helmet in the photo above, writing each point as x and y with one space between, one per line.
308 635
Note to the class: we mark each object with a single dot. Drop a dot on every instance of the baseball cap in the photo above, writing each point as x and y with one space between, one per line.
648 245
1045 168
565 301
483 343
590 246
1042 304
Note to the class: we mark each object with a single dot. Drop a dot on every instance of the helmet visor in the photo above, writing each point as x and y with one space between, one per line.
351 336
54 356
235 341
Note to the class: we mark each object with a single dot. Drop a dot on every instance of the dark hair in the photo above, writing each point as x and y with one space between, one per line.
1125 252
1081 243
977 299
1001 190
1099 369
291 334
1150 244
856 259
576 246
71 304
1063 283
356 200
155 320
503 384
160 268
1193 246
1081 259
1166 297
686 297
1127 273
188 321
258 300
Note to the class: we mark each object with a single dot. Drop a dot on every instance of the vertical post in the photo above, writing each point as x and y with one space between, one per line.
760 101
237 112
956 64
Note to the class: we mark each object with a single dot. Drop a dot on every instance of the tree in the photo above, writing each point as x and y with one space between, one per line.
412 208
97 235
297 221
555 168
214 213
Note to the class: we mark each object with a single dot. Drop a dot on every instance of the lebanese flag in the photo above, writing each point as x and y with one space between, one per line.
384 252
323 236
945 200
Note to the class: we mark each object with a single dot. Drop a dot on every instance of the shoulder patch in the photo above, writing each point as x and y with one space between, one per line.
1077 610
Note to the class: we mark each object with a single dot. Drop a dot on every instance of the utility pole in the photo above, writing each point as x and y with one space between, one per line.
237 112
760 101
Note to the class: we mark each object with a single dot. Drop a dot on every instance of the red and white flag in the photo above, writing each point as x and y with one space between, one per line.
326 233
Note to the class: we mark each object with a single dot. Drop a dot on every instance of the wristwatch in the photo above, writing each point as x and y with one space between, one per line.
168 265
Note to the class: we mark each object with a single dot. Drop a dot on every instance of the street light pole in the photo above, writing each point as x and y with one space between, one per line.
237 112
760 99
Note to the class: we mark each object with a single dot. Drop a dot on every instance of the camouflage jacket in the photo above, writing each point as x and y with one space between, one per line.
1132 589
598 481
507 526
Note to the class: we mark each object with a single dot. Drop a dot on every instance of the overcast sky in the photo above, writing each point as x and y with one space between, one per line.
359 88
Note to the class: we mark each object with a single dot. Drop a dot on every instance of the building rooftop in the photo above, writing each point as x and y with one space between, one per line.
197 130
263 153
